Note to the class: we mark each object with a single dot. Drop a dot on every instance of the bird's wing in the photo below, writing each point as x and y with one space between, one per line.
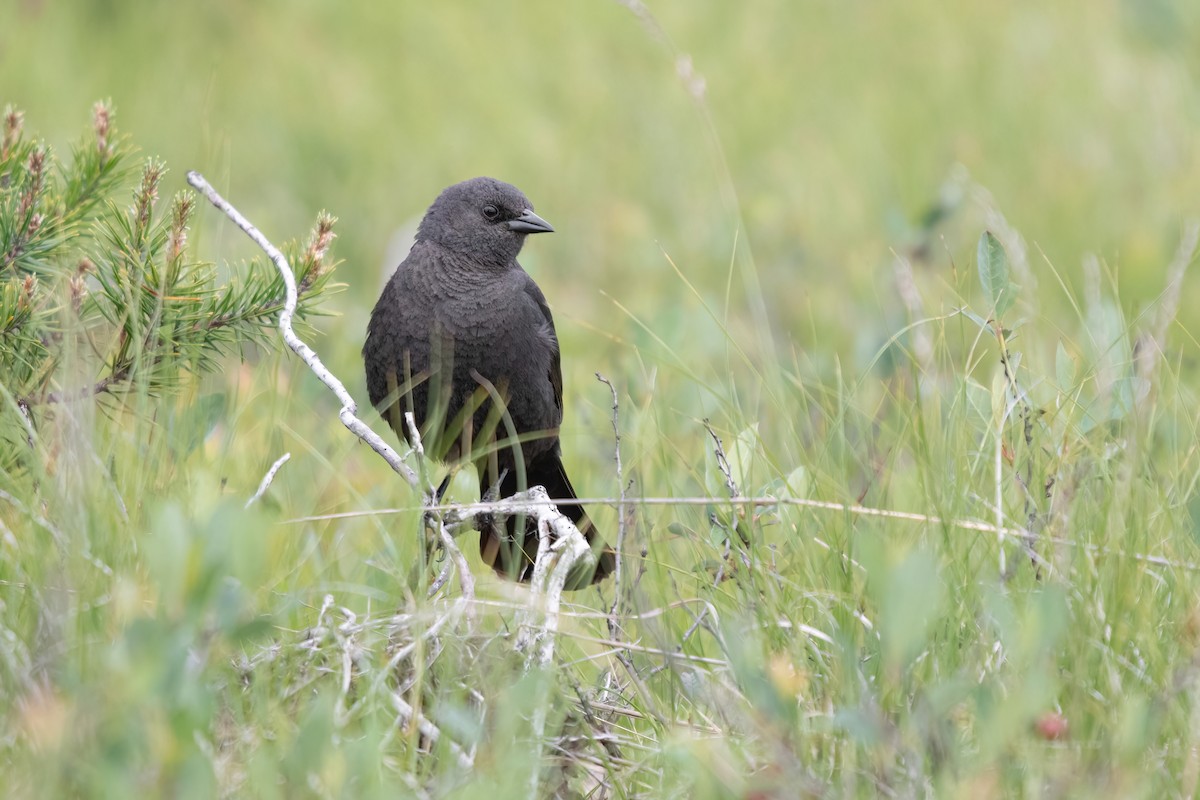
555 376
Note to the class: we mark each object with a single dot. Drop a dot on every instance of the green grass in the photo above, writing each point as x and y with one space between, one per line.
729 257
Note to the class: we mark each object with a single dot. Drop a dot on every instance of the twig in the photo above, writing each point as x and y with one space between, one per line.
527 506
27 420
734 494
452 614
387 674
557 537
617 594
722 461
430 731
614 612
349 410
441 579
465 579
561 547
266 480
101 386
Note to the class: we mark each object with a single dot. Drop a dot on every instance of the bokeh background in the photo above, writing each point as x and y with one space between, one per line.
753 201
812 136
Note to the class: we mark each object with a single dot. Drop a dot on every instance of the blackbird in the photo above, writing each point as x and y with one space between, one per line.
462 337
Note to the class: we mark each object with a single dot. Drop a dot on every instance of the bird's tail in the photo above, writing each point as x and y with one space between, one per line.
512 555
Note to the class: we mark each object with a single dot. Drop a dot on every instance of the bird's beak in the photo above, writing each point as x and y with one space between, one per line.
530 222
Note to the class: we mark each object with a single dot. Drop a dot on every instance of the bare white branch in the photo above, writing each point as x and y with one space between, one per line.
431 732
438 520
561 548
349 410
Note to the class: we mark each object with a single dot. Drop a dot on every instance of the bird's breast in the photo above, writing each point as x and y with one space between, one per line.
475 306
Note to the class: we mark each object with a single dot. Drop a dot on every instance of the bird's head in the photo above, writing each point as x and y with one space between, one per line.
484 218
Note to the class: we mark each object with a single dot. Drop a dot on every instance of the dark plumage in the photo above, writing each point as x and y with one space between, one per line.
460 322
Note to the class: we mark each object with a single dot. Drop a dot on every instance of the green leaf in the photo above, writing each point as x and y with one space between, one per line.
798 483
983 324
718 534
907 594
742 453
999 398
994 274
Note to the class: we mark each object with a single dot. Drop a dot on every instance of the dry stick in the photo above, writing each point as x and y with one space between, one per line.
451 615
465 579
734 494
614 627
429 730
560 547
722 461
616 605
404 709
266 480
349 410
441 579
558 538
556 535
529 507
343 635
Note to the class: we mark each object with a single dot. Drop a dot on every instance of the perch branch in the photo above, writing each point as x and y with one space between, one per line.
560 548
349 409
438 520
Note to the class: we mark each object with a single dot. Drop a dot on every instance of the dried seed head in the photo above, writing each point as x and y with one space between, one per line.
36 169
147 193
322 237
318 247
25 298
79 291
181 214
37 163
102 124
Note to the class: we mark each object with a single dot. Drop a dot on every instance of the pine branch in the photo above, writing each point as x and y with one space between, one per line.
116 284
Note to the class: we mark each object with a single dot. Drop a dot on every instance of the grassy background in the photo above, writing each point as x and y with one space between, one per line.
733 186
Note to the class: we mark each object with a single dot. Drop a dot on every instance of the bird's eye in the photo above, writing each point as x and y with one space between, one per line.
490 211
